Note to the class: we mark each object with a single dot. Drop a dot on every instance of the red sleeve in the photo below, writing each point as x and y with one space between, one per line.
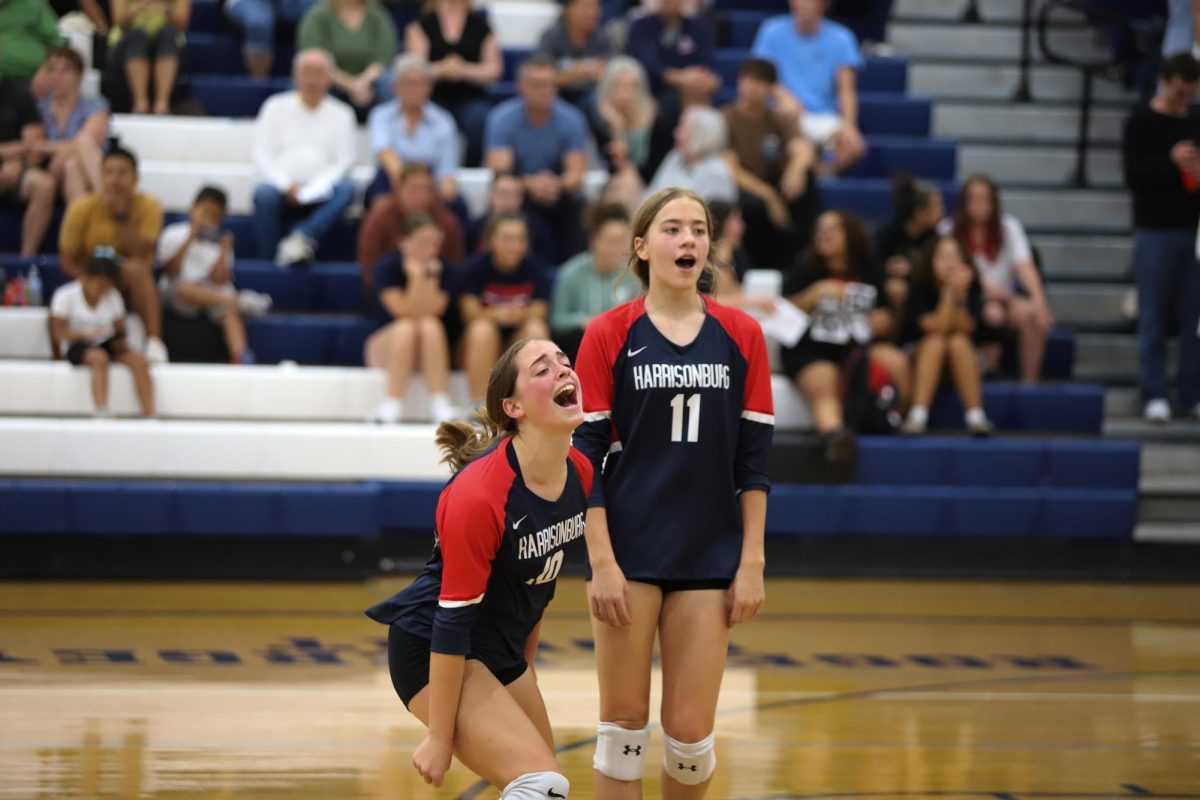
470 527
758 403
597 354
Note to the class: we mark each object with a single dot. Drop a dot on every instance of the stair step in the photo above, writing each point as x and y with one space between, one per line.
1122 402
1084 254
989 10
1172 449
1082 303
1048 165
1167 532
995 41
1171 485
1168 508
970 79
976 122
1116 352
1076 209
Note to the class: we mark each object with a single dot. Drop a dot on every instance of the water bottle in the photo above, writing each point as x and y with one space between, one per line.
33 287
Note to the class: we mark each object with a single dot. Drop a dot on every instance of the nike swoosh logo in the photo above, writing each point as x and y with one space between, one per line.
553 793
631 353
517 524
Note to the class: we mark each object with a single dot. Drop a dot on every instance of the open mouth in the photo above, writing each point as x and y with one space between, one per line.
685 262
567 396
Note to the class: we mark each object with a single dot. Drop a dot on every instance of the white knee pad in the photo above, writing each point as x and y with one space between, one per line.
537 786
689 764
620 752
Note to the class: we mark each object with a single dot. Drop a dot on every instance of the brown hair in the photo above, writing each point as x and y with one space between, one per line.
641 226
462 440
993 232
413 168
599 215
922 270
414 222
496 220
69 54
860 258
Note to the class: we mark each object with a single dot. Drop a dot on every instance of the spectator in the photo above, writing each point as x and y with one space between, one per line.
944 308
1182 35
1162 170
544 140
412 129
504 297
21 132
257 19
412 294
698 160
1001 252
304 143
867 19
593 281
28 28
626 118
676 50
917 208
145 33
506 195
88 315
465 58
197 263
817 61
732 260
361 38
580 48
772 164
839 287
76 126
126 221
385 222
92 10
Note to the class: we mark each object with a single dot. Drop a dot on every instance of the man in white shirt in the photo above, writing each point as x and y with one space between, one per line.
304 148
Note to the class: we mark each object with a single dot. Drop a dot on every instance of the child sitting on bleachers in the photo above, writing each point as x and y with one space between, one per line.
197 262
88 315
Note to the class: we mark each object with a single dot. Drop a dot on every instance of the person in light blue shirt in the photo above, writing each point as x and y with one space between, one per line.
818 60
411 128
543 140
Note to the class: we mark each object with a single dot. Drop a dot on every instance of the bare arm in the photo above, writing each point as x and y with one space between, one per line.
471 307
392 164
847 90
612 604
941 319
574 168
746 180
179 14
746 595
501 160
1027 274
490 66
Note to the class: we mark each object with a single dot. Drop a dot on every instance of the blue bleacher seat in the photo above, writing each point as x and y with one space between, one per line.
34 506
887 155
206 18
408 506
235 95
1010 463
870 198
878 75
121 507
1088 514
1093 465
250 509
513 56
894 115
1065 408
992 512
330 509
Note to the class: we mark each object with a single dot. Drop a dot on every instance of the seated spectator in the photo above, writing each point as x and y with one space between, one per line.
595 280
504 298
197 263
415 195
304 143
943 311
676 50
732 260
626 118
580 48
698 160
147 35
88 316
772 164
1013 299
839 287
506 195
28 28
257 19
412 294
544 140
466 59
91 10
817 61
361 38
20 183
917 208
126 221
412 129
76 126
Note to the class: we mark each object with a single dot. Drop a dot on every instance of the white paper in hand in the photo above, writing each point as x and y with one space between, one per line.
786 324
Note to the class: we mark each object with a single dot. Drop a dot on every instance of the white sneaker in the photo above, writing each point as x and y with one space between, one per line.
252 303
1157 411
294 249
441 409
156 351
388 413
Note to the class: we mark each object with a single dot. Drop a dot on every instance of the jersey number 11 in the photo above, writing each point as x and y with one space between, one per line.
692 414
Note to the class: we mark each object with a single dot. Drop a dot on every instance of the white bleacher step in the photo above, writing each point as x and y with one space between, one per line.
975 122
942 80
261 393
1048 165
1087 255
996 41
520 23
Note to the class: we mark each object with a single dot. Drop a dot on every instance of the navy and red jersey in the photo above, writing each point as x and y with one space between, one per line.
528 282
685 431
496 557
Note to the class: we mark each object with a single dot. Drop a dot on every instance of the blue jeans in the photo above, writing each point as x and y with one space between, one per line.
471 116
1180 34
257 20
316 220
1164 263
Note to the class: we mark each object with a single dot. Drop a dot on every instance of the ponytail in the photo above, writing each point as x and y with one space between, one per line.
461 440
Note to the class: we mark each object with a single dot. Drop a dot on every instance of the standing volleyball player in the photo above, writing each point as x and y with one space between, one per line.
468 625
677 395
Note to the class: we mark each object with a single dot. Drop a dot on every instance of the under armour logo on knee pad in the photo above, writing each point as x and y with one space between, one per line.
693 767
633 750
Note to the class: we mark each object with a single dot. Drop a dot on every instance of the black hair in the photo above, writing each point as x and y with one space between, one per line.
104 267
116 151
1180 65
211 194
910 195
759 68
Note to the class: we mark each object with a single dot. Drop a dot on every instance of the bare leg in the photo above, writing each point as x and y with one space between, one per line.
481 344
818 382
533 329
927 368
140 370
140 281
435 354
137 73
258 65
964 368
892 359
401 348
97 360
90 156
74 181
1030 336
235 334
37 190
205 296
165 70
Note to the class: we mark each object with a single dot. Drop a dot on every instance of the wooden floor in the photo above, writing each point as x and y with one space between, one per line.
846 689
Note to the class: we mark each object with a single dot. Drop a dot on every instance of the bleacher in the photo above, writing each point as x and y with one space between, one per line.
280 450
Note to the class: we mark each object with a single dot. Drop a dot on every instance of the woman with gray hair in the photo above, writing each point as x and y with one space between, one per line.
624 124
411 128
697 162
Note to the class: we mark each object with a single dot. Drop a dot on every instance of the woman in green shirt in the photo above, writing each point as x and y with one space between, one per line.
361 37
